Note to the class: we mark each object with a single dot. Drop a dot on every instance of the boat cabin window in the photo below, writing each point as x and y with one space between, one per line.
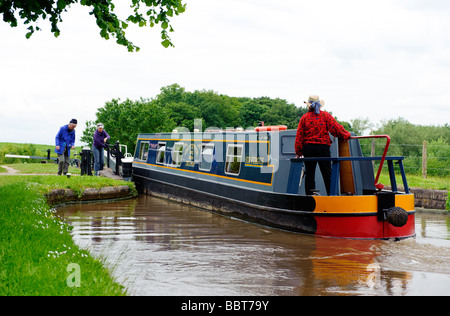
207 157
143 151
161 153
177 154
234 159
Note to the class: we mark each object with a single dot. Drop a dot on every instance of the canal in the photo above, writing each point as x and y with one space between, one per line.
158 247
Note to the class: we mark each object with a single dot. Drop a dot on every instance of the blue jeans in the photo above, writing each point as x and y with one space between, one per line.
99 158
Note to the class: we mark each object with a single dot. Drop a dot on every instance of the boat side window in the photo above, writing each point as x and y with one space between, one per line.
160 157
234 159
177 154
207 157
143 151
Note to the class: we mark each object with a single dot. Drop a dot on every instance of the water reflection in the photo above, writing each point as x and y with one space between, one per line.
157 247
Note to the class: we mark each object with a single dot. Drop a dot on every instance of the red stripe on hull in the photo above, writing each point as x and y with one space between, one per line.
362 227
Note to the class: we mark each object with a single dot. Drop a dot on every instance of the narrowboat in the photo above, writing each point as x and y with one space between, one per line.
254 175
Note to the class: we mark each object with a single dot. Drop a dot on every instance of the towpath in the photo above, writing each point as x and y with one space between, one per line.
10 170
108 173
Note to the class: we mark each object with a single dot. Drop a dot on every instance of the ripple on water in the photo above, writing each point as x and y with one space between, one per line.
156 247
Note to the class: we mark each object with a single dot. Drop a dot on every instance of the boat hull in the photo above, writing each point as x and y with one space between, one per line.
356 217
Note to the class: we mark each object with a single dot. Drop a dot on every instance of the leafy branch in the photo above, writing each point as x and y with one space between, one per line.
144 12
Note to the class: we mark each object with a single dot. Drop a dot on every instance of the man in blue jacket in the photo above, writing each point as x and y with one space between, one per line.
64 141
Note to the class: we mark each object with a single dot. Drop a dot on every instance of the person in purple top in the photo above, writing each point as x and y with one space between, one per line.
100 138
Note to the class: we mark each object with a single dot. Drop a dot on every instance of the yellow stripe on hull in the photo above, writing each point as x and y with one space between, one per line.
358 204
405 201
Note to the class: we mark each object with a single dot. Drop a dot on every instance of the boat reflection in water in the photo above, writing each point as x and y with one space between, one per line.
158 247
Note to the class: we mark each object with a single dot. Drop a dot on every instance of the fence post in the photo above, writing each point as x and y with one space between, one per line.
372 151
424 160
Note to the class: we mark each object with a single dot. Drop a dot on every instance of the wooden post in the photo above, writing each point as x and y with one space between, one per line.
424 160
346 170
372 152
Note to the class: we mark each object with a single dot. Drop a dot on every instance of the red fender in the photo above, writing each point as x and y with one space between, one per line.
271 128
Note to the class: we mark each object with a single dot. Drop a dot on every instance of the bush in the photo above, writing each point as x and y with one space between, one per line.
18 149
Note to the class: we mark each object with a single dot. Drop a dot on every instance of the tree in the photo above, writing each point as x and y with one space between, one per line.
438 152
407 140
125 120
176 107
183 114
217 110
360 125
88 133
281 112
252 113
172 93
145 12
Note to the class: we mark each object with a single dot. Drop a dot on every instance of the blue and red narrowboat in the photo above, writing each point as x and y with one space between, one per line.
254 175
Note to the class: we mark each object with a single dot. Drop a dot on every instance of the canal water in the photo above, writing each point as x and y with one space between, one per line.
158 247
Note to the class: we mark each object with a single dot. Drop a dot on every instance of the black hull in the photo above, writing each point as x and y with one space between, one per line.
274 210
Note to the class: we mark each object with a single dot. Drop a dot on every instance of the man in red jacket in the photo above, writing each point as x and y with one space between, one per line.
313 140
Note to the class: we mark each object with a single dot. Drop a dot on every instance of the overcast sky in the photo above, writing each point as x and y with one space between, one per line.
378 59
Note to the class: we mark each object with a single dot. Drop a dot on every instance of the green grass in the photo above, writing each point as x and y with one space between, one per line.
38 168
414 181
447 203
431 183
43 183
36 247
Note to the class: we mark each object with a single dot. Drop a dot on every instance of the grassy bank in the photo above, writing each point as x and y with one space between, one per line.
37 253
43 184
431 183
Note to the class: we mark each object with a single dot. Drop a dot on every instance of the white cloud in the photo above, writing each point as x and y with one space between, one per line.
380 60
